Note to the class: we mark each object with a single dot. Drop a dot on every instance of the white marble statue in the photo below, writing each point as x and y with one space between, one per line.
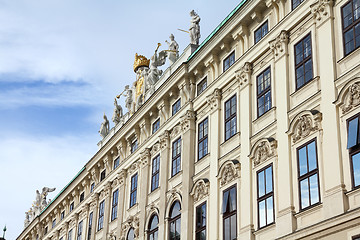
129 94
27 219
105 127
43 195
194 28
173 51
152 74
118 113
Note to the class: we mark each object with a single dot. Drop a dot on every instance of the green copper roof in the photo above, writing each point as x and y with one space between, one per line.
218 27
63 189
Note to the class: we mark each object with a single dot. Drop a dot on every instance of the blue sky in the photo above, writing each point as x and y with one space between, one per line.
62 62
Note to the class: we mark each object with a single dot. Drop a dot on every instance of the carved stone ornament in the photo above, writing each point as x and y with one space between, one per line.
164 139
321 9
349 97
94 175
305 123
131 222
106 191
84 211
200 189
173 194
145 157
187 119
111 236
263 150
243 74
133 167
279 45
151 209
213 100
94 200
155 149
73 220
175 131
122 176
63 231
229 171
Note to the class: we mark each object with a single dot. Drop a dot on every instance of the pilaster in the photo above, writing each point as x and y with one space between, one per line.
94 207
144 183
121 177
164 109
106 194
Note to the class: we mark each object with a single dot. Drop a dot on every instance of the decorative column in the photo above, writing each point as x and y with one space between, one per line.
74 224
144 183
94 208
106 193
164 141
285 213
85 216
188 159
121 177
214 108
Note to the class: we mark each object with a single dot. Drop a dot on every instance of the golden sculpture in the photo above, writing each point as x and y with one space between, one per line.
140 61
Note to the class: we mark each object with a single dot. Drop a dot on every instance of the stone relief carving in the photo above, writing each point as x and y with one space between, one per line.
145 157
305 123
174 193
352 98
321 9
131 222
111 236
200 189
175 131
229 171
164 139
243 74
213 100
263 150
122 176
185 121
133 167
279 44
155 149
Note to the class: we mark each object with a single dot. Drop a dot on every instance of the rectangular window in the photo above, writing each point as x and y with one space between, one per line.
230 117
176 106
101 215
357 237
53 223
261 31
203 139
229 212
176 157
351 25
263 92
102 175
70 235
265 197
92 187
133 190
303 62
116 162
201 86
80 230
71 206
46 230
155 173
114 205
228 61
353 144
308 175
62 215
201 222
90 226
156 126
82 196
296 3
134 146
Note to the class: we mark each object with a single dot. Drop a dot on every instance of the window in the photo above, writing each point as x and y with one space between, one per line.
176 157
90 226
62 215
175 221
70 235
261 31
131 234
353 145
308 175
53 223
71 206
303 62
134 146
153 228
357 237
263 92
116 162
156 125
230 117
82 196
92 187
101 215
201 222
61 238
229 213
203 139
114 205
229 61
133 190
351 25
46 230
80 229
265 196
155 173
296 3
201 86
102 175
176 106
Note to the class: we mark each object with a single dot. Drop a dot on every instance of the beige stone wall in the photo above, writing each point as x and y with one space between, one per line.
325 102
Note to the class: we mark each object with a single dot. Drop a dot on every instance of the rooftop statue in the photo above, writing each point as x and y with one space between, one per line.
173 51
118 113
105 127
194 29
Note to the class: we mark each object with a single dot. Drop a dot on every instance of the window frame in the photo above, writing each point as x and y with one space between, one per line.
202 228
204 138
176 106
82 196
264 92
114 205
90 223
53 224
351 26
80 230
134 145
151 232
354 150
308 174
302 63
230 214
92 187
71 207
155 126
228 58
102 175
133 190
155 174
231 116
70 234
199 87
292 4
101 215
174 219
62 215
261 28
355 237
116 163
176 159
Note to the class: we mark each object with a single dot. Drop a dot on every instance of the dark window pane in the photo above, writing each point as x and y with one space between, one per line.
299 52
356 169
233 227
347 15
353 132
225 201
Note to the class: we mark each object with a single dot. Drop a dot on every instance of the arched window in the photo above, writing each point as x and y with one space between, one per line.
153 228
175 221
131 234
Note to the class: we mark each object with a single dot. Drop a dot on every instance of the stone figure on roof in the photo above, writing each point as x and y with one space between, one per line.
173 51
194 28
118 113
105 127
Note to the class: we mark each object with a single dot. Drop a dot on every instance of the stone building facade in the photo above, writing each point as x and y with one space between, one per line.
254 135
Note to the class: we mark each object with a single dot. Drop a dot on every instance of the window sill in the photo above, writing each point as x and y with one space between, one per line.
133 206
201 159
316 78
309 210
356 50
177 174
266 228
272 109
154 191
230 138
353 191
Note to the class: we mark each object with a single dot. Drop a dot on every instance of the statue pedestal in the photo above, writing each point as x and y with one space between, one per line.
193 47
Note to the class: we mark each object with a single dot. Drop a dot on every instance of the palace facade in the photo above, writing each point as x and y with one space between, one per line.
254 134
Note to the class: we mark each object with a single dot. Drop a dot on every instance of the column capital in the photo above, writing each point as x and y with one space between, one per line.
243 75
187 120
322 10
122 176
279 45
164 139
145 157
